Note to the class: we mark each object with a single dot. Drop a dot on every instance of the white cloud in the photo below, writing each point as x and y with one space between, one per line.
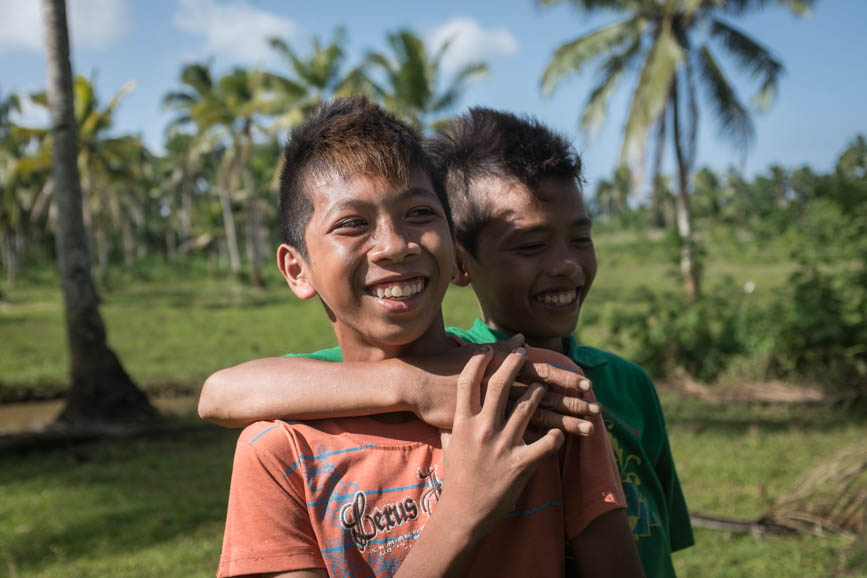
236 30
31 115
93 24
471 43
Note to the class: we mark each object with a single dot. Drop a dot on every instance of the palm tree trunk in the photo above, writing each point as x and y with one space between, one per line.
101 391
688 266
254 235
129 249
225 178
10 255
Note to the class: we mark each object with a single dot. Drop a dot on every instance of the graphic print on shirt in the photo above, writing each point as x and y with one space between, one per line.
642 518
365 526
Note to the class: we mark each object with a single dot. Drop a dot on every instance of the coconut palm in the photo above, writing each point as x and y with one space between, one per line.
228 111
101 391
104 163
316 76
199 105
407 79
672 43
10 213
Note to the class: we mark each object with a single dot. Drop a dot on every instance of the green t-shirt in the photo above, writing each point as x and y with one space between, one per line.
636 427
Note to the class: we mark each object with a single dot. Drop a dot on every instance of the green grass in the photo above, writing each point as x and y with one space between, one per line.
156 507
174 325
735 460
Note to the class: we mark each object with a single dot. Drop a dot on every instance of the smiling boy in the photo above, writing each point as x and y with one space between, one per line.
524 244
366 229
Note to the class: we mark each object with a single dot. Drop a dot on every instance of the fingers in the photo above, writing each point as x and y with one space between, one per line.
509 345
543 447
468 394
546 419
555 377
497 392
569 404
523 412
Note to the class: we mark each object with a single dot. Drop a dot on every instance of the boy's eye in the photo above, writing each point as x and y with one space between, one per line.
582 241
352 223
530 247
421 212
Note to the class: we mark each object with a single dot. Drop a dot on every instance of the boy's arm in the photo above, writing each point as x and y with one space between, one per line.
300 388
606 547
488 466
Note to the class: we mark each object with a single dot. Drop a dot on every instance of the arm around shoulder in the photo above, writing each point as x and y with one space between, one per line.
301 388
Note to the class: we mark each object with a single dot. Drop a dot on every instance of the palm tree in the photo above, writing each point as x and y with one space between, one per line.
101 391
10 149
316 76
104 162
227 111
672 42
199 105
410 79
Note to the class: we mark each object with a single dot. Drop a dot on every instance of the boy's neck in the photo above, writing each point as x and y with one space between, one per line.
356 347
557 344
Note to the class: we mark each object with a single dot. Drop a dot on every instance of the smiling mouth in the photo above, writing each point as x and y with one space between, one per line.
558 298
398 290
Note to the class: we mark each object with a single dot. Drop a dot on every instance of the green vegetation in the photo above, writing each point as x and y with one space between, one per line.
156 506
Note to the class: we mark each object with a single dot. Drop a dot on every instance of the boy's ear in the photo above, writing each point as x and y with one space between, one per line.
296 271
461 275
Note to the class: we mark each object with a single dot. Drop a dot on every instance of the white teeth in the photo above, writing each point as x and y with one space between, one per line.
558 298
404 290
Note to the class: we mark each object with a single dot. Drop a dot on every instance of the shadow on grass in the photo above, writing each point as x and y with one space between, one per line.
101 499
741 418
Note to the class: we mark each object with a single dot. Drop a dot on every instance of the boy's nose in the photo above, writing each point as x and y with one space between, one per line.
565 265
392 244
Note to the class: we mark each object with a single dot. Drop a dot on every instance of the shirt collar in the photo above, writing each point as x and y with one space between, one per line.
580 354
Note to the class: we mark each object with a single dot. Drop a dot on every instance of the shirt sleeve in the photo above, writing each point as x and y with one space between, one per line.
679 526
589 475
267 524
591 481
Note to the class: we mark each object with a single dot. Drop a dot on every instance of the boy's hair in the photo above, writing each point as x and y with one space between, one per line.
345 138
485 143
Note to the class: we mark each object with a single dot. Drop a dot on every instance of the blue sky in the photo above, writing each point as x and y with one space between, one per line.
820 106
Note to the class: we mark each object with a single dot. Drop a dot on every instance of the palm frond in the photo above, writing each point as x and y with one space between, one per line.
569 58
612 70
753 57
177 100
456 87
734 119
739 7
652 91
198 77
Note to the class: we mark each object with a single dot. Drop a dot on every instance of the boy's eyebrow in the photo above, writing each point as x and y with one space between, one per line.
403 195
417 191
580 222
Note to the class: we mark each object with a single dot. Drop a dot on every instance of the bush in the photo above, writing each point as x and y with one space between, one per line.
700 337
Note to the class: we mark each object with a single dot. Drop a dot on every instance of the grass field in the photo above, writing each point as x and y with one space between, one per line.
173 326
156 506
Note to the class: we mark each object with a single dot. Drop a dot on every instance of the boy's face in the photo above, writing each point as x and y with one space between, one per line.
535 261
379 256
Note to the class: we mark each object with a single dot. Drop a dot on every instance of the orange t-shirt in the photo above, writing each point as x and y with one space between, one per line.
352 495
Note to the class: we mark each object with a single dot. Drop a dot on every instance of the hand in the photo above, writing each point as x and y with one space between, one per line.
487 464
433 381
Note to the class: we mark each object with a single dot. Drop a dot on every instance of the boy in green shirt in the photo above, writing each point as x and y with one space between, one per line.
524 245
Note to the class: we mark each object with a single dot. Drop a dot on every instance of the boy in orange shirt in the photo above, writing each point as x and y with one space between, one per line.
364 215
